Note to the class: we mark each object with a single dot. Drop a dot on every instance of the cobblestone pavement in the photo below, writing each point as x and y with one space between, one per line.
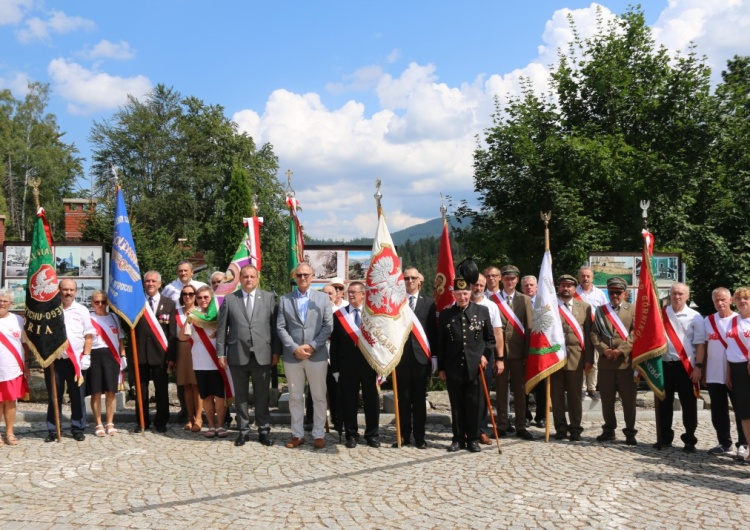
182 480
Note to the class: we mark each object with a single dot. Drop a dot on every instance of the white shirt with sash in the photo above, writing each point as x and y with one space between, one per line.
735 352
12 327
500 299
716 329
690 329
595 297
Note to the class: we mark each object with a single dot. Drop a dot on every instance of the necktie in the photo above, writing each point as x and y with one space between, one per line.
413 302
356 317
569 306
510 299
249 305
151 303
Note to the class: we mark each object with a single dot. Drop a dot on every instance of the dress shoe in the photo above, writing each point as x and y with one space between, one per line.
606 437
511 429
319 443
138 429
351 443
484 439
662 445
161 428
575 437
541 424
630 440
474 447
404 443
373 443
560 435
51 437
295 442
593 394
455 446
523 434
240 441
78 436
264 439
689 448
420 444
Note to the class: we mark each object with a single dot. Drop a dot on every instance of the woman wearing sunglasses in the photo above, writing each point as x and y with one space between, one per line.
184 363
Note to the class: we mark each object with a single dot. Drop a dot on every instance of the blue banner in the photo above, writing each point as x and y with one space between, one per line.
125 293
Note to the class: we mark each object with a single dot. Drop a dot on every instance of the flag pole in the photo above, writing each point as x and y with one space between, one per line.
379 196
34 183
657 419
546 216
137 374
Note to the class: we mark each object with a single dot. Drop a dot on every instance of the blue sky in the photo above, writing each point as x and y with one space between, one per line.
345 91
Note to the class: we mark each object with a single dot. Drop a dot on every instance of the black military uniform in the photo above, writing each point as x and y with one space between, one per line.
465 335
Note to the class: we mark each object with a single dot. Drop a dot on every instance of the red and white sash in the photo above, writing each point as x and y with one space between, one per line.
18 356
735 334
712 321
419 333
346 319
112 340
76 363
676 336
617 324
153 323
509 315
572 322
211 349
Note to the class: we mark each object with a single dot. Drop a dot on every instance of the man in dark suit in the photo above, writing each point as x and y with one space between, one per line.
155 350
612 337
515 311
246 340
576 322
352 371
466 343
413 370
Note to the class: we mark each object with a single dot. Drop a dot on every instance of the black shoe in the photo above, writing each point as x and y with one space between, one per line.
421 444
630 440
78 436
264 439
561 435
689 448
455 446
662 445
575 437
404 443
593 394
373 443
161 429
351 443
541 424
511 429
51 437
523 434
240 441
606 437
474 447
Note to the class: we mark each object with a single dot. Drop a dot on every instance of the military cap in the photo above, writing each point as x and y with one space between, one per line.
567 278
510 269
616 283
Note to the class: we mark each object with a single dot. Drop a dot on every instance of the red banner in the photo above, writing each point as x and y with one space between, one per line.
445 272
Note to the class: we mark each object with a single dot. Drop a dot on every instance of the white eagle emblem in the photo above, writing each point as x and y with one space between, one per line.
386 290
43 284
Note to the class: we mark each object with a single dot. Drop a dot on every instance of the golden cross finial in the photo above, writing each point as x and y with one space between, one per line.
34 182
289 188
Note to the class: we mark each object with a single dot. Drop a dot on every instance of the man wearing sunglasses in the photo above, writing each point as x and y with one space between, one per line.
339 300
304 323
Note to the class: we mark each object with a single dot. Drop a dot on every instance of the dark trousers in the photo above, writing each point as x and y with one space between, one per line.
261 378
611 383
350 385
720 398
567 382
540 396
412 396
515 376
65 375
464 395
334 402
677 380
157 374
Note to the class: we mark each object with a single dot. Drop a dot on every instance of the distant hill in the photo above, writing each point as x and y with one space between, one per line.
431 228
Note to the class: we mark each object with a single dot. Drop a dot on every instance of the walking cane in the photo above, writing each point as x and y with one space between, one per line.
489 407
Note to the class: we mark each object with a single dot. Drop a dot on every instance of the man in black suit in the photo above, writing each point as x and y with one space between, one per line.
155 350
413 370
466 343
246 339
350 368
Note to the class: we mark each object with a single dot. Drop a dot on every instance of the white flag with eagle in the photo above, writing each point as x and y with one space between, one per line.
386 320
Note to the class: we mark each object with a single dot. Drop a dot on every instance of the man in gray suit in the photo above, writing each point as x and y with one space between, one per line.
246 338
304 324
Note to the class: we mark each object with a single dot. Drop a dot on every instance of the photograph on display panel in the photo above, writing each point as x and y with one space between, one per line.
17 260
18 290
90 263
358 263
67 261
326 264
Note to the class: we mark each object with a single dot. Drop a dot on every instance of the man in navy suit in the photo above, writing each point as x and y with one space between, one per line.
413 371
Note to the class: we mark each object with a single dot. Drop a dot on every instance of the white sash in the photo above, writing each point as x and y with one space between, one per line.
610 313
153 323
509 315
419 333
679 331
572 322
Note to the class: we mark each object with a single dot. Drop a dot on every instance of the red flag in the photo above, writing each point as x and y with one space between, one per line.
445 272
650 342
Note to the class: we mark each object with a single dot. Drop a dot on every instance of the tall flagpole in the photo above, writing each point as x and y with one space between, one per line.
657 419
546 216
379 196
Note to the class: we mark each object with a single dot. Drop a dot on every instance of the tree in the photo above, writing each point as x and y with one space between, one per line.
623 122
31 146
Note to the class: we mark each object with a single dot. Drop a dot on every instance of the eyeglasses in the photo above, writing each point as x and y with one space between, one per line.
99 302
187 294
204 297
411 278
338 287
4 301
303 275
215 282
615 293
352 293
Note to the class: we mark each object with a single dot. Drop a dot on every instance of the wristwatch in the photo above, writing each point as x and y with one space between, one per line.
501 359
699 365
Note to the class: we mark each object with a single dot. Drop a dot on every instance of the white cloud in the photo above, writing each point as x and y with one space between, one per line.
17 83
365 78
105 49
58 22
12 11
88 91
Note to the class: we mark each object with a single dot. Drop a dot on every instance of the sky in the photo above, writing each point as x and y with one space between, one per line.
346 92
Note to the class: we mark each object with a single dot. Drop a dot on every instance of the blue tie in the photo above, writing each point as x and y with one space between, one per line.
356 317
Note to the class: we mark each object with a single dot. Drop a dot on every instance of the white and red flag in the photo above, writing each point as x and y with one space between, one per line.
547 343
386 320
